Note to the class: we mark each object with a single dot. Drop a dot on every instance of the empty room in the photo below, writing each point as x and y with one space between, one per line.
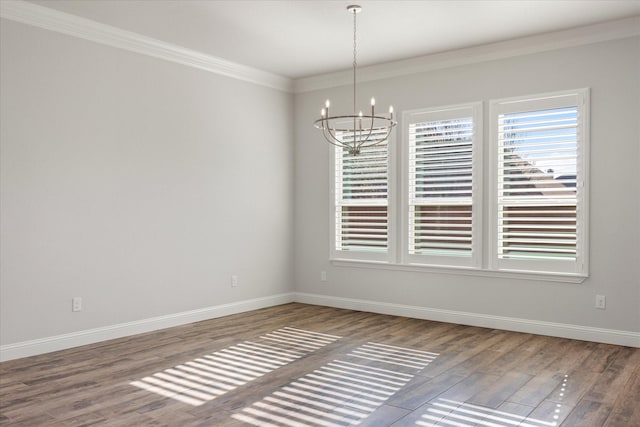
320 213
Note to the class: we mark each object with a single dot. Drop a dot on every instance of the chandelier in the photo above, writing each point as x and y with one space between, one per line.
356 131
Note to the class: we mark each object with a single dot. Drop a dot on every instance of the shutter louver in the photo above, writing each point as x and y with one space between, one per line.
537 198
441 159
362 222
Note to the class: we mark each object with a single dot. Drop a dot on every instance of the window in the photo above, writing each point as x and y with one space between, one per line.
540 158
444 162
526 214
361 216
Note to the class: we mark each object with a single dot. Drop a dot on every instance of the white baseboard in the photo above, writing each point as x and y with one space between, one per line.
91 336
586 333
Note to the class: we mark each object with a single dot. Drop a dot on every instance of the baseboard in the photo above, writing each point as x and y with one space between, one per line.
585 333
91 336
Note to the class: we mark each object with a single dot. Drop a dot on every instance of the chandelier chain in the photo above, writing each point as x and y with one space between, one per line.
355 62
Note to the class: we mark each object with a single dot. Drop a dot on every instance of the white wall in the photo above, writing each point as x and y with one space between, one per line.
612 71
137 184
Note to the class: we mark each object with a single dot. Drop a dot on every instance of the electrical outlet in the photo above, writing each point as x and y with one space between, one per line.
601 302
323 276
76 304
234 281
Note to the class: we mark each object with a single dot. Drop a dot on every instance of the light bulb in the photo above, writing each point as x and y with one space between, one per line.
390 109
360 113
327 103
323 112
373 102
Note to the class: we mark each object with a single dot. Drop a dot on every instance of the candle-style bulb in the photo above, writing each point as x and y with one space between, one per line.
323 112
327 103
390 109
360 114
373 102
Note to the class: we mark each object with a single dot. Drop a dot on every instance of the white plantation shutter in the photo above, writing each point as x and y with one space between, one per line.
537 204
361 202
444 149
540 156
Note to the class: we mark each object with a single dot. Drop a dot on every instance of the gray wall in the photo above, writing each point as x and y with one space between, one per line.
612 71
143 185
137 184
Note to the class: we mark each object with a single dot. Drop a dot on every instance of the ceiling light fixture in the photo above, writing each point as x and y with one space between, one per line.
355 131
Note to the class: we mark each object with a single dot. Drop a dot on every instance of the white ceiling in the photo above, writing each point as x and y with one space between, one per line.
300 38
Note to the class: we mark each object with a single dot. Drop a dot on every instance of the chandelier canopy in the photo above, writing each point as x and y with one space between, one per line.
355 131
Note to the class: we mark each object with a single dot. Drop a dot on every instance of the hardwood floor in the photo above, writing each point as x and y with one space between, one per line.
301 365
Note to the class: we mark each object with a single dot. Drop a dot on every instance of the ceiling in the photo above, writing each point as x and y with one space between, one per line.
301 38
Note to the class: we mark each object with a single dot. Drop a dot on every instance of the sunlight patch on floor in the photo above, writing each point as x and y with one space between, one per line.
444 412
205 378
401 356
451 413
342 392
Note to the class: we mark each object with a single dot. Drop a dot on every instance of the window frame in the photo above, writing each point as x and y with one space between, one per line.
474 110
484 199
364 256
550 100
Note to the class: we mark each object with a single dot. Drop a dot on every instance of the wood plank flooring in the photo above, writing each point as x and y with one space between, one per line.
301 365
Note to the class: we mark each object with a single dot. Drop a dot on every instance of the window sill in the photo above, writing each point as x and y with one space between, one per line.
463 271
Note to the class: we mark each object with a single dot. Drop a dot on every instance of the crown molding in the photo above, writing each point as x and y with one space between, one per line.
50 19
611 30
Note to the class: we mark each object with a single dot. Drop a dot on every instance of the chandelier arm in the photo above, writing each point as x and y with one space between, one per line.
366 139
383 139
373 117
337 145
354 132
330 137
